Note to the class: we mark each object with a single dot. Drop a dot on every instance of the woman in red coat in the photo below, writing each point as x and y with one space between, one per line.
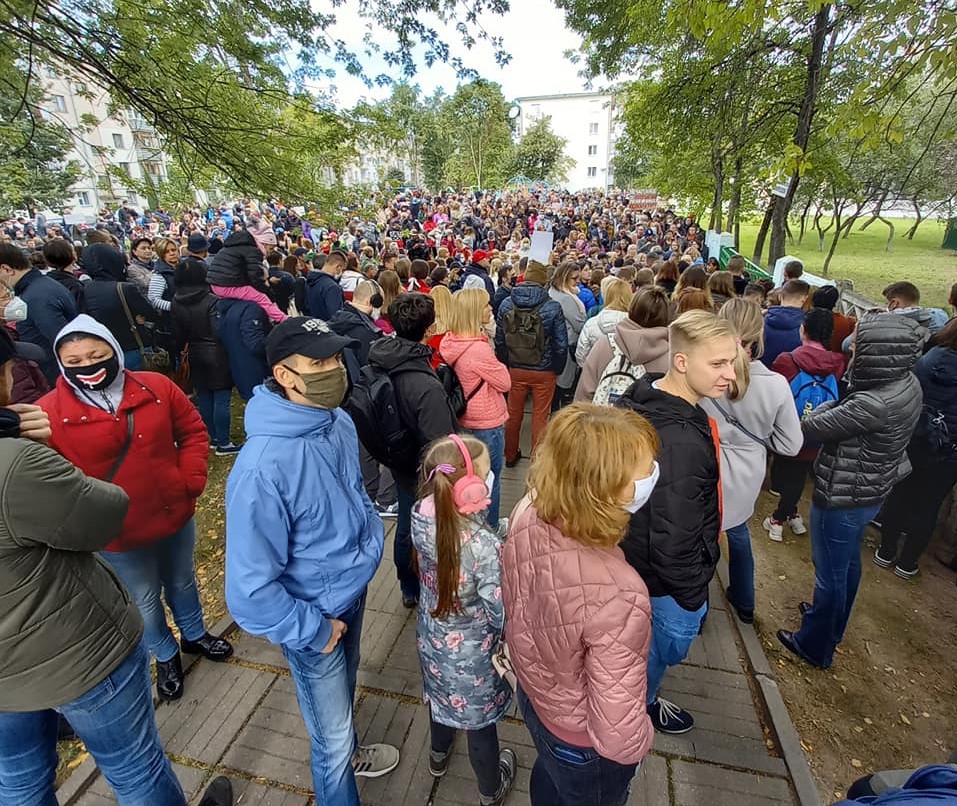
138 430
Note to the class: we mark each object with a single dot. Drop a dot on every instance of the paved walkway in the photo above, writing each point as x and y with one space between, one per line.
241 719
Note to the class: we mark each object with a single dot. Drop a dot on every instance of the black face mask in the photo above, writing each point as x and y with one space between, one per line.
94 377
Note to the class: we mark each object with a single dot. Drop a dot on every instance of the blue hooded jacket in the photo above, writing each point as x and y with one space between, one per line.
302 537
782 331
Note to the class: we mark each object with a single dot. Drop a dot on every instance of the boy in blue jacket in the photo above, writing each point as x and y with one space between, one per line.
303 541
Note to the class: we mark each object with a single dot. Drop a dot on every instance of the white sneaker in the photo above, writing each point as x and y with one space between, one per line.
797 525
374 760
502 530
775 530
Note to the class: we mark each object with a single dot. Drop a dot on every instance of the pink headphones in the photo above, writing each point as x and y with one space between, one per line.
470 493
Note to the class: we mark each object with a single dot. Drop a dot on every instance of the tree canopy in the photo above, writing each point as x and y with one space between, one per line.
540 154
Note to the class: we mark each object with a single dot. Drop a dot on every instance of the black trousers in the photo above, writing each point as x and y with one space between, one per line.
911 511
787 477
483 753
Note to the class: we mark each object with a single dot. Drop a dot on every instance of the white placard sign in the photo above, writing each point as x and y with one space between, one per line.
540 248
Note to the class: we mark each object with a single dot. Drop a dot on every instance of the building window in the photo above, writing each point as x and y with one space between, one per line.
125 167
117 141
592 171
84 198
593 129
59 103
592 151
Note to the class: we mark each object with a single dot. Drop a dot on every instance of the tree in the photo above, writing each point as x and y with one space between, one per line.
397 125
217 81
34 169
540 154
476 116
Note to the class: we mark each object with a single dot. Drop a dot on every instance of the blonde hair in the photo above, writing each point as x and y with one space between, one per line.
747 319
576 485
694 328
160 245
442 299
448 522
617 294
468 308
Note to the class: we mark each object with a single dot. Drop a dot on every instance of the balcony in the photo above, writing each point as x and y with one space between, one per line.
137 122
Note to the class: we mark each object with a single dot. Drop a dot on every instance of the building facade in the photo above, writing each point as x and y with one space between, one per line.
588 122
107 143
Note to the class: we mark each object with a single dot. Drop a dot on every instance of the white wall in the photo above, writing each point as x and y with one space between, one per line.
586 121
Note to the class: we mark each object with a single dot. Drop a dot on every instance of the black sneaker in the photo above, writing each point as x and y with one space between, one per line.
439 763
669 718
410 601
506 763
906 573
882 562
746 616
229 449
218 793
804 608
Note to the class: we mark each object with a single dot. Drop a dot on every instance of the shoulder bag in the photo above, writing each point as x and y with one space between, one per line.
155 359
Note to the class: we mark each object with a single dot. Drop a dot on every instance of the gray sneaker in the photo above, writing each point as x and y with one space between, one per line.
506 764
374 760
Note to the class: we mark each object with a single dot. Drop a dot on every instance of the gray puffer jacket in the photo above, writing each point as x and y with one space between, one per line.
864 436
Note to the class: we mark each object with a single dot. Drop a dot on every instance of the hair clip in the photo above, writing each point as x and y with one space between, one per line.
447 470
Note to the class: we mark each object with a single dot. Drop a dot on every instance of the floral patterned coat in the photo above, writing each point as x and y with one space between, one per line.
460 683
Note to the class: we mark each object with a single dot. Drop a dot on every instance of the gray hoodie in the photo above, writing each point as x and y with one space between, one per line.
641 345
107 399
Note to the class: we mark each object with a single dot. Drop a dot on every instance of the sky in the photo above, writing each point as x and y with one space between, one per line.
534 32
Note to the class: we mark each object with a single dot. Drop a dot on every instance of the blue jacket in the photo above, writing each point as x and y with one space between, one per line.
782 332
587 297
324 295
934 784
937 373
302 537
242 328
482 274
49 307
528 295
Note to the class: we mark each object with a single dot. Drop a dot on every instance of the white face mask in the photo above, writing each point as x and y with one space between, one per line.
643 490
15 310
376 314
489 481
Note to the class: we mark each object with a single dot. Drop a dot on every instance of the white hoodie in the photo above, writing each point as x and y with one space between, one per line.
107 399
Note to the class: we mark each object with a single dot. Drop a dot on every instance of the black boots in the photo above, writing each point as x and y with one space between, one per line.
218 793
209 646
169 678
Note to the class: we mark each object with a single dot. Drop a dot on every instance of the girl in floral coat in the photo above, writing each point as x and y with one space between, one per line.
460 612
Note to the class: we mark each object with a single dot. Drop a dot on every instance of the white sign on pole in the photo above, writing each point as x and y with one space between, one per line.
540 248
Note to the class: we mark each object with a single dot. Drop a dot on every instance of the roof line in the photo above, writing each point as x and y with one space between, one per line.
565 95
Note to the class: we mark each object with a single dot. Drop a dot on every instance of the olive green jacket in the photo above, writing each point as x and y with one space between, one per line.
66 622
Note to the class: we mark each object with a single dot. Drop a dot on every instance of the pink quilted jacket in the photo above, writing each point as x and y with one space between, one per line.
474 361
578 626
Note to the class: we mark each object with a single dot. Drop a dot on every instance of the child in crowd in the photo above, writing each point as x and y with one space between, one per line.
237 271
461 613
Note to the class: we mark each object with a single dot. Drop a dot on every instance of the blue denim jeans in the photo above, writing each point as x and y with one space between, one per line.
326 689
741 567
402 546
836 552
164 567
132 360
116 722
673 630
494 440
566 775
214 409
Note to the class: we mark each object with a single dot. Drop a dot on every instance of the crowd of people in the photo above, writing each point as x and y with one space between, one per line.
387 369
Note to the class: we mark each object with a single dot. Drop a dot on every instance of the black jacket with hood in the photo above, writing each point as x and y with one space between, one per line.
238 263
194 324
101 299
864 436
672 541
350 321
423 407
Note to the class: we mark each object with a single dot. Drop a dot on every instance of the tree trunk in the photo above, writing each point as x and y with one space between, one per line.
807 209
763 231
890 234
802 131
788 233
734 205
877 212
913 230
834 240
717 203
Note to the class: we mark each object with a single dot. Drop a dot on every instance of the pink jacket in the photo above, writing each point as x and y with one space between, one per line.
578 627
473 360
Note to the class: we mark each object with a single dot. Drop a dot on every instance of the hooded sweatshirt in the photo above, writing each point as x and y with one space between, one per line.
595 329
782 331
107 399
303 540
647 346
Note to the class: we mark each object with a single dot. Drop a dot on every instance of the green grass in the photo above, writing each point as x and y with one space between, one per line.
863 259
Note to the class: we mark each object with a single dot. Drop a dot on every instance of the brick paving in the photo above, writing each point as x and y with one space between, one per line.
241 719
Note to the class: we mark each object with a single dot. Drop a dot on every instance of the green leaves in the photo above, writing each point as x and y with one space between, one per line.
541 154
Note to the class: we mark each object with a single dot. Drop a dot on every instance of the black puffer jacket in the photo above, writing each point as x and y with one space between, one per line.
672 541
193 324
864 436
935 438
238 263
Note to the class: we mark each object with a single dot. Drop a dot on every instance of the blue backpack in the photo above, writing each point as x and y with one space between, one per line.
810 391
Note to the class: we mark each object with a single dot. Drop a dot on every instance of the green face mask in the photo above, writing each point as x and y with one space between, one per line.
324 389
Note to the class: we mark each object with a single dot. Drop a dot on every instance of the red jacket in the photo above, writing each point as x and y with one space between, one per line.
164 471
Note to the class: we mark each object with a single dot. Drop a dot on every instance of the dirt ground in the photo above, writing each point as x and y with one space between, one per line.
890 700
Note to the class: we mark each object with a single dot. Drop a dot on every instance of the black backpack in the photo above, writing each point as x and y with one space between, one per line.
524 335
374 410
458 400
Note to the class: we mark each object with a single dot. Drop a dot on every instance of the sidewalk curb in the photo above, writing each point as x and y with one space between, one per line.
774 706
82 778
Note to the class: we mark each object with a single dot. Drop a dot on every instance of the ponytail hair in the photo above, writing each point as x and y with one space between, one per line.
439 456
747 320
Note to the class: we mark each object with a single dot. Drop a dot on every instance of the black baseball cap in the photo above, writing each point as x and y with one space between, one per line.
303 335
9 348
